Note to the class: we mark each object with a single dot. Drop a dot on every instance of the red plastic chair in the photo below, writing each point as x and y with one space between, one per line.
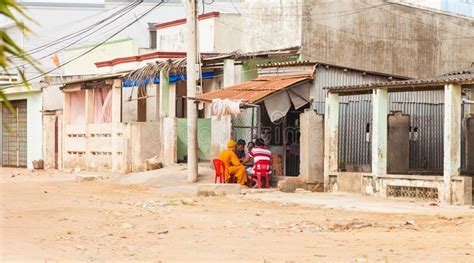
262 169
219 166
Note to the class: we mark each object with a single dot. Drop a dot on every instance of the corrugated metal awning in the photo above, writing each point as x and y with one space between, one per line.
436 83
257 90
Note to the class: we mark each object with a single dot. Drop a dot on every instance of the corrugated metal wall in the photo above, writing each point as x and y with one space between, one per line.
426 116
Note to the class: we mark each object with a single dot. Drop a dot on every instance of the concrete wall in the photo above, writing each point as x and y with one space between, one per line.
53 98
271 24
312 147
204 138
173 38
91 146
215 35
228 37
398 143
392 38
49 122
142 141
170 141
361 183
34 133
111 50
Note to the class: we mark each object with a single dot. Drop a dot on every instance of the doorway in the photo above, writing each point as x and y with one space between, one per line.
284 140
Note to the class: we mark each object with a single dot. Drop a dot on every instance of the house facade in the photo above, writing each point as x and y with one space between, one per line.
393 37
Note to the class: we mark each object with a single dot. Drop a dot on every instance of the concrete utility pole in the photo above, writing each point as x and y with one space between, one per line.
192 73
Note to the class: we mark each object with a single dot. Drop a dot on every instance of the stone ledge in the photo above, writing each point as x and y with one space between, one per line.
218 189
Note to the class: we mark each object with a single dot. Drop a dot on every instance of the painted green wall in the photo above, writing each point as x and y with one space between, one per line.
204 139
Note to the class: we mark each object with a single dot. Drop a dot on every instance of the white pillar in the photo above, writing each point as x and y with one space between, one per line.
331 136
379 133
116 111
229 72
89 119
192 71
452 137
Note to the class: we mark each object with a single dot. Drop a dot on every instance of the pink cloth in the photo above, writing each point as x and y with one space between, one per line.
78 107
102 105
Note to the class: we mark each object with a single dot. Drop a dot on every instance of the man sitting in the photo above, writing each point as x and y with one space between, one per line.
240 149
258 153
233 167
247 160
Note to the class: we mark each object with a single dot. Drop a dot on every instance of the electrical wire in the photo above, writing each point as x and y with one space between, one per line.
82 31
93 48
74 42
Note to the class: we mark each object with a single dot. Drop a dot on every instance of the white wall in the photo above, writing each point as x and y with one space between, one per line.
111 50
173 38
270 24
214 35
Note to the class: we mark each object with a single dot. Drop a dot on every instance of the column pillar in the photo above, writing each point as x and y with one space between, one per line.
172 100
452 138
229 72
164 93
89 106
331 136
116 111
379 134
89 119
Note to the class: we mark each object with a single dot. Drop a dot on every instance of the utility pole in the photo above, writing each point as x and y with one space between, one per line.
192 73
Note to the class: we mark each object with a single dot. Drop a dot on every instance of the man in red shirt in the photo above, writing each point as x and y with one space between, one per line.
258 153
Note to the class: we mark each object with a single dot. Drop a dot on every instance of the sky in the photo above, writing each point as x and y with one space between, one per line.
428 3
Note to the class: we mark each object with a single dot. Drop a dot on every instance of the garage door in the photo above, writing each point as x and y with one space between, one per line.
14 134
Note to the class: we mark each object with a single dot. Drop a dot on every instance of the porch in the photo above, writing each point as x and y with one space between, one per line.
389 144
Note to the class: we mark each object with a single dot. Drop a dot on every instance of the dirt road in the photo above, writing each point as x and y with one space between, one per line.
46 217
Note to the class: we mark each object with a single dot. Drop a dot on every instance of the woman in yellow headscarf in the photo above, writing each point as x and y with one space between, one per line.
233 167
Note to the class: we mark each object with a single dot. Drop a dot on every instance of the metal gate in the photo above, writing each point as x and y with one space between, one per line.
246 125
14 134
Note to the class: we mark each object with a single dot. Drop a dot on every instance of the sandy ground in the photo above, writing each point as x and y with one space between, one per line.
51 217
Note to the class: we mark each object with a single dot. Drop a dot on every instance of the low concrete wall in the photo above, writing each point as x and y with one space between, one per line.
143 142
95 147
362 183
170 141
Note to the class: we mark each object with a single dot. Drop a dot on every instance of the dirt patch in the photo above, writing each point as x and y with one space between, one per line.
97 221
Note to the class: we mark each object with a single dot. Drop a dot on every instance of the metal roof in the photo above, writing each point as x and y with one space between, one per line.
458 77
256 90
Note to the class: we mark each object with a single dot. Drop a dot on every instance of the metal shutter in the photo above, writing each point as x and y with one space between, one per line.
14 134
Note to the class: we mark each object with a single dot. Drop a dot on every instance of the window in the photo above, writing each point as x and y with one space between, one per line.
153 39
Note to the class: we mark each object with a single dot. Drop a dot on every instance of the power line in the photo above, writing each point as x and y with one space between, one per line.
82 31
75 41
95 47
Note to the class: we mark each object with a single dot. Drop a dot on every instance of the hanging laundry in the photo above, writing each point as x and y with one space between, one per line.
225 107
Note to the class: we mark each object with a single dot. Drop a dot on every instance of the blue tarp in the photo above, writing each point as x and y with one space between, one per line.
173 78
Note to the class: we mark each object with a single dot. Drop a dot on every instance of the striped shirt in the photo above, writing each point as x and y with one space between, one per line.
259 153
